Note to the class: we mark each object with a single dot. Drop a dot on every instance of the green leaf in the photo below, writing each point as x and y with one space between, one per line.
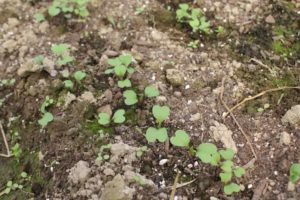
295 172
68 84
181 139
9 184
114 62
125 59
39 59
79 75
226 177
231 188
124 83
7 190
104 118
227 154
39 17
153 134
130 70
208 153
151 91
24 175
184 6
227 166
194 24
65 60
47 117
109 71
130 97
120 70
119 116
196 13
59 49
239 172
53 11
161 113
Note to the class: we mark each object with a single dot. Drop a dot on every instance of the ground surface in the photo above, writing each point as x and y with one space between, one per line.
61 159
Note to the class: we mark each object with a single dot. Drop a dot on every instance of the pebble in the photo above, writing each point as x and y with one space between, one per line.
285 138
270 19
163 162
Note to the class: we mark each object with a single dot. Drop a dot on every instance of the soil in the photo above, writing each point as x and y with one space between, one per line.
259 50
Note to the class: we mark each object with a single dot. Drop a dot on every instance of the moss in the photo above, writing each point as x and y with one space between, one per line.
94 127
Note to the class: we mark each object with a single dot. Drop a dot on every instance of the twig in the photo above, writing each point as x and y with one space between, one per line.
174 187
235 120
183 184
259 95
263 65
5 143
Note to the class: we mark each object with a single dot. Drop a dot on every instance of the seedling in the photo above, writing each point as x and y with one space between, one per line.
39 17
12 186
68 84
180 139
62 51
194 17
39 59
7 82
220 29
118 117
79 76
151 91
266 106
77 7
16 151
140 10
161 113
140 151
120 66
295 172
124 83
193 44
101 155
208 153
130 97
47 116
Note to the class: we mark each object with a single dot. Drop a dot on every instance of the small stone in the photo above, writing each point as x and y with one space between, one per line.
28 67
79 173
175 77
195 117
177 94
156 35
108 95
292 116
270 19
285 138
106 109
109 172
88 97
291 187
161 99
163 162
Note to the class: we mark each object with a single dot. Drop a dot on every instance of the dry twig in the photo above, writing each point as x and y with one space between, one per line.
235 120
8 154
259 95
174 187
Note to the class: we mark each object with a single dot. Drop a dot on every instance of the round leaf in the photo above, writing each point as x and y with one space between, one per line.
79 75
295 172
239 172
68 84
47 117
130 97
231 188
208 153
53 11
104 118
181 139
120 70
226 177
151 91
227 154
125 59
227 166
119 116
124 83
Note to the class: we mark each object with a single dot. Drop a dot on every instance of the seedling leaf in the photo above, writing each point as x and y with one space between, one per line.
295 172
47 117
208 153
59 49
227 154
118 117
239 172
161 113
124 83
227 166
153 134
125 59
181 139
231 188
79 75
120 70
68 84
226 177
151 91
104 118
130 97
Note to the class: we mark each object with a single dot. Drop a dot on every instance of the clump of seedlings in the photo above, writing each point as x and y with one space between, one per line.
78 76
194 17
76 7
118 117
295 172
47 116
62 52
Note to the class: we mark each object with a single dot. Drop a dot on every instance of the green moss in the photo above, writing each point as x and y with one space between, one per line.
94 127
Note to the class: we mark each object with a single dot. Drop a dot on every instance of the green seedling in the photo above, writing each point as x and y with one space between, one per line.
161 113
194 17
7 82
153 134
68 84
295 172
101 155
77 7
266 106
140 151
140 10
139 180
62 51
130 97
11 186
47 116
180 139
79 76
124 83
39 59
208 153
220 29
120 65
118 117
39 17
193 44
151 91
16 151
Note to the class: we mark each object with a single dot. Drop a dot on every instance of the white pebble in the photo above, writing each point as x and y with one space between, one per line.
163 161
